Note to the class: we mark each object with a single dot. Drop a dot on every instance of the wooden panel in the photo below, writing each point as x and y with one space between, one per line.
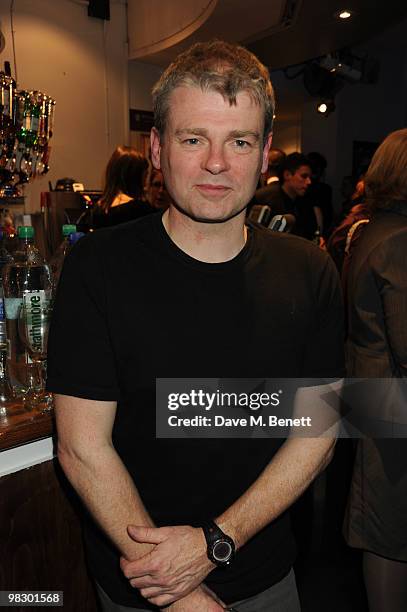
22 424
40 535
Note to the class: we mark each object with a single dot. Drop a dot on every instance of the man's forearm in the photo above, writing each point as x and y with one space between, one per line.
105 486
286 477
180 561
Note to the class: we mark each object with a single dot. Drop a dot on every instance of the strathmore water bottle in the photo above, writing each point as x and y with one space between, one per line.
27 279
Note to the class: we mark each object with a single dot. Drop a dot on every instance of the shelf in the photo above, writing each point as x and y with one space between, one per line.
24 424
8 201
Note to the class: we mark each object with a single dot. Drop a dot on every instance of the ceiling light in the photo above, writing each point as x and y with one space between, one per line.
344 14
326 107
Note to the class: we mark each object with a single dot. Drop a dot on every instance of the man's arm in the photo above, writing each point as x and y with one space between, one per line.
288 475
165 575
88 458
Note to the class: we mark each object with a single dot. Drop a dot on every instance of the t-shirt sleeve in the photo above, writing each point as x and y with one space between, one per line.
324 355
80 355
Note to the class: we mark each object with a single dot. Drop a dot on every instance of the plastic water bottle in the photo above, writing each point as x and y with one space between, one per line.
27 278
57 260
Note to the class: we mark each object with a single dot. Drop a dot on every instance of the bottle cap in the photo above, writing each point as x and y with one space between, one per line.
74 237
25 231
68 229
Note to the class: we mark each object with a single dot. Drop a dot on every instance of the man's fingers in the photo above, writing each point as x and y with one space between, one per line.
146 535
145 582
142 568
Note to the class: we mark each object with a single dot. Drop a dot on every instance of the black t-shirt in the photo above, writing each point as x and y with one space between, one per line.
131 306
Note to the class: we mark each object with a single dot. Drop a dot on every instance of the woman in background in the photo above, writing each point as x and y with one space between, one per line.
123 193
376 520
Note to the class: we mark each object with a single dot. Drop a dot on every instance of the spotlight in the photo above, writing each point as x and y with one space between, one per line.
343 14
326 107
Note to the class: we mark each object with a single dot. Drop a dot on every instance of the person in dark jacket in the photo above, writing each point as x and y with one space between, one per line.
376 519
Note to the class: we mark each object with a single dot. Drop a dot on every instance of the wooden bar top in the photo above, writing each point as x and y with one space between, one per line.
24 423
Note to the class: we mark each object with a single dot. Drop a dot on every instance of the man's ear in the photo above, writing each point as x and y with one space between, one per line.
155 143
266 149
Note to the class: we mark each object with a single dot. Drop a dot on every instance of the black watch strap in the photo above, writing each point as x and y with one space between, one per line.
220 547
212 532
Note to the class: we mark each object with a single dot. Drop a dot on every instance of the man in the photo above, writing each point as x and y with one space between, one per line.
231 309
287 196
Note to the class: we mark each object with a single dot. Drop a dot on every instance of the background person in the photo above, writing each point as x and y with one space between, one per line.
123 198
157 193
376 520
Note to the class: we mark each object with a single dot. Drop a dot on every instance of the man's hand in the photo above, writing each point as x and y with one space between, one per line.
202 599
175 567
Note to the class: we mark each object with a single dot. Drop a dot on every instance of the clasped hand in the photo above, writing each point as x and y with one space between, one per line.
176 565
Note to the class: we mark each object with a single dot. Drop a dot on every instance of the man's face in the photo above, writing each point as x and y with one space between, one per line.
297 183
211 154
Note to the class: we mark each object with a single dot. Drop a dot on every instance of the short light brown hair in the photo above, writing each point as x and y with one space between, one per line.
217 66
386 177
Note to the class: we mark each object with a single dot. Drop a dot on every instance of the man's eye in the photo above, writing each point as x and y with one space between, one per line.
191 141
242 144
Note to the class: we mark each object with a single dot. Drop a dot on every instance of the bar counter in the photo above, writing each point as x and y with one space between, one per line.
40 527
24 424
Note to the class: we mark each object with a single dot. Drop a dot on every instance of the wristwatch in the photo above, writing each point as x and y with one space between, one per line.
221 547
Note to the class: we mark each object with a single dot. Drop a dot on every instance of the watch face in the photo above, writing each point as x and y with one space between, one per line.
222 551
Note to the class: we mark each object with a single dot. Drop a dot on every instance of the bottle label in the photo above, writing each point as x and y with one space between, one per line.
36 316
2 314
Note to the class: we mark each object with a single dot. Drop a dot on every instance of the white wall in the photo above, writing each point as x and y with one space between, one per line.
82 63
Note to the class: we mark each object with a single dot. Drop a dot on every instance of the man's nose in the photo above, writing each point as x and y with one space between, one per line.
215 160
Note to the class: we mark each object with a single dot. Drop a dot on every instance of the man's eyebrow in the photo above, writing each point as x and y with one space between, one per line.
244 134
233 134
191 130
